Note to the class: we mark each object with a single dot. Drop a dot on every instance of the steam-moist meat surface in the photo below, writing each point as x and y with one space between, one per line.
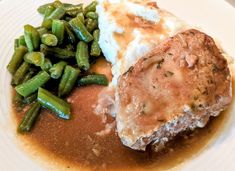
176 87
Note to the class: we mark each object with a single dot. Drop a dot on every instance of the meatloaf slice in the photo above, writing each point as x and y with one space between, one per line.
176 87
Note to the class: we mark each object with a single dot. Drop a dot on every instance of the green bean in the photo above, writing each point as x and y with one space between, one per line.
81 17
20 73
49 39
58 30
30 99
99 79
80 30
70 47
29 87
16 44
68 80
58 13
57 105
57 4
41 9
82 56
28 75
96 35
46 65
29 118
92 15
74 10
57 69
22 41
91 7
36 58
18 99
32 37
47 23
42 31
95 48
48 11
91 24
57 52
16 59
70 34
67 5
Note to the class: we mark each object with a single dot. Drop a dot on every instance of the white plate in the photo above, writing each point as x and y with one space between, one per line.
215 17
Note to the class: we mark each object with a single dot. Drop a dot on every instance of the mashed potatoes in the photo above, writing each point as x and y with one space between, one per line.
131 28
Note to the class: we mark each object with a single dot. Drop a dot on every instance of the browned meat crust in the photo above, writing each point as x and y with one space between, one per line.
176 87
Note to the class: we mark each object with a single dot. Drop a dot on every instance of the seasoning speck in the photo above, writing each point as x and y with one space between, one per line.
159 63
168 74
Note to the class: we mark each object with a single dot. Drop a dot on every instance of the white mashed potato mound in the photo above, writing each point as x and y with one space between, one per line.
131 28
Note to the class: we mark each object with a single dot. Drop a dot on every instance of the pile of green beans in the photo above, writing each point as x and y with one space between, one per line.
51 60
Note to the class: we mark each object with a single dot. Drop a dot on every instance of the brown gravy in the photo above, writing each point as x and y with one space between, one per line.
73 144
